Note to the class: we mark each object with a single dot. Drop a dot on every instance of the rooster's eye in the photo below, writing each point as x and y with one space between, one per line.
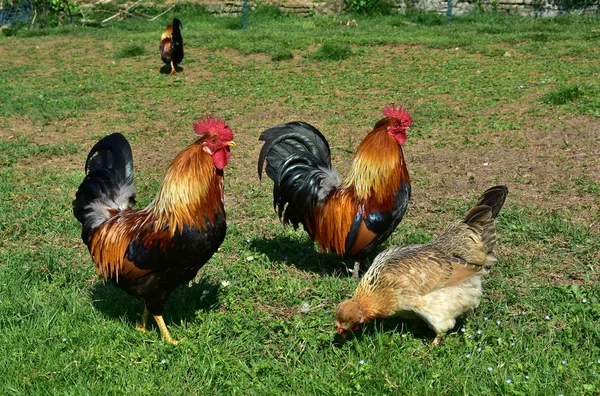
213 140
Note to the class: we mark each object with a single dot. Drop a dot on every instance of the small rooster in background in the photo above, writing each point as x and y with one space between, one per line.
352 217
171 45
437 281
149 252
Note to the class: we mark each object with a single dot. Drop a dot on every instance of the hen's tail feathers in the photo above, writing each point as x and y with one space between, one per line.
108 183
299 163
482 216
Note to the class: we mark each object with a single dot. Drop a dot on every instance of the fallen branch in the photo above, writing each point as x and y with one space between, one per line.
161 14
126 11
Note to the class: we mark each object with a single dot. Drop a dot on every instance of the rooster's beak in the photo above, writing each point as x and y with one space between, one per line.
231 144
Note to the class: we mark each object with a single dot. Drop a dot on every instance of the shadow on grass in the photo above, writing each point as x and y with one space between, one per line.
304 254
416 326
166 69
182 305
301 253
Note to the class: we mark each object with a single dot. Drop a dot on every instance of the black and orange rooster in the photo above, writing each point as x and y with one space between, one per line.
352 217
149 252
171 45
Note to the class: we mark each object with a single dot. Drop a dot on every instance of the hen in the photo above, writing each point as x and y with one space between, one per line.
437 281
149 252
352 217
171 45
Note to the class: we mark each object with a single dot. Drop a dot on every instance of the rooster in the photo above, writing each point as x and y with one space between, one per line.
149 252
171 45
437 281
352 217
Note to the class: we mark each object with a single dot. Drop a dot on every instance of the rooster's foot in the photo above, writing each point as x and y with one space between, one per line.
173 71
163 329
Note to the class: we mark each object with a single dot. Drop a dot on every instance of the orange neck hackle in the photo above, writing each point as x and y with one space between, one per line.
378 166
167 33
191 192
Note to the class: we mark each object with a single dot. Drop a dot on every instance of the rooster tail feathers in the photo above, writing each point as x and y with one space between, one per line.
176 36
111 152
108 183
298 160
482 216
282 141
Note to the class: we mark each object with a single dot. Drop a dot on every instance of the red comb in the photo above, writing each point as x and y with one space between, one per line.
210 123
398 113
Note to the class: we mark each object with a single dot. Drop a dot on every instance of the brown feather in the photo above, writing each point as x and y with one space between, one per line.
363 239
333 220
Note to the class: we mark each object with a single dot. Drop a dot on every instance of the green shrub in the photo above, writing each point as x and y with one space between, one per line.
369 7
281 54
267 11
330 52
563 95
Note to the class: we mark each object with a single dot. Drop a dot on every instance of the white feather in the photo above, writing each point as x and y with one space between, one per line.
329 183
96 212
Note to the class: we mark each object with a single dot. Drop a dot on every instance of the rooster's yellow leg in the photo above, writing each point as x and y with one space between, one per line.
143 326
173 71
163 329
436 340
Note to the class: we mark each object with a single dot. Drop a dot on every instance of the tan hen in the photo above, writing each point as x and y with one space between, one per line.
437 281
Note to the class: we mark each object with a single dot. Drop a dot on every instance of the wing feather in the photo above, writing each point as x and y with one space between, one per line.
419 270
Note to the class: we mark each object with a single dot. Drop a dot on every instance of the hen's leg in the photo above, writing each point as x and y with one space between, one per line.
143 325
163 329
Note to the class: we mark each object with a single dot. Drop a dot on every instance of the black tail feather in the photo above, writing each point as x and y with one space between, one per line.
298 161
108 180
176 42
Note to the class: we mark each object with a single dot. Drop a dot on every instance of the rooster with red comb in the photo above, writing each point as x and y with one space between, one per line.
149 252
350 217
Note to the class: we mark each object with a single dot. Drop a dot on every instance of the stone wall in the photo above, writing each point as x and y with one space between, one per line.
300 7
521 7
332 7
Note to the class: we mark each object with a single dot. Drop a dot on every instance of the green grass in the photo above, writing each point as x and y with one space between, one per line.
330 52
494 99
130 51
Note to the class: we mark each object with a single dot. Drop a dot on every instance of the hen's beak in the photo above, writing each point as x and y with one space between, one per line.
231 144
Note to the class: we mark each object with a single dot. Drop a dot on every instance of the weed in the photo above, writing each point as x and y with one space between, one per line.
330 52
563 95
131 51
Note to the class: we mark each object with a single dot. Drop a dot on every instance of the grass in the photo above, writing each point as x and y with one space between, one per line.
130 51
494 98
330 52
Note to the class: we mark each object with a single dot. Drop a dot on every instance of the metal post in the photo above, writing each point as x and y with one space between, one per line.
245 15
449 12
